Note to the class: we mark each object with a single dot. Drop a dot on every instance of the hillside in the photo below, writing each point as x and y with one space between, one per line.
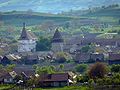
53 6
104 11
111 12
17 18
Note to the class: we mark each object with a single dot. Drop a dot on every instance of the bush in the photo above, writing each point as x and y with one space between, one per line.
91 82
81 68
63 57
98 70
115 68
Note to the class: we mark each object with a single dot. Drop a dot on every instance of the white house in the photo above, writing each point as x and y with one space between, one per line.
27 41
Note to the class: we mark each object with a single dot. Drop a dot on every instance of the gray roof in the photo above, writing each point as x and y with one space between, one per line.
57 37
26 35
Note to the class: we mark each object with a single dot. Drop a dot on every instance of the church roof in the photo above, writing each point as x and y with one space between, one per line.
26 35
57 37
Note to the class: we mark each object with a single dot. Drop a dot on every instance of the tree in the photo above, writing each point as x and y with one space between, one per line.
63 57
81 68
10 68
35 66
91 82
98 70
1 66
53 68
61 67
107 81
85 49
43 44
116 79
115 68
33 81
45 70
88 48
99 81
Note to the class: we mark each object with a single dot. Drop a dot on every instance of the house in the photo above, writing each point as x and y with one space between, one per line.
24 71
31 59
55 80
114 58
10 59
8 77
88 57
82 57
5 60
2 73
97 57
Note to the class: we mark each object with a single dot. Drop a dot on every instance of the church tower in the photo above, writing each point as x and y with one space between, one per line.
57 42
27 41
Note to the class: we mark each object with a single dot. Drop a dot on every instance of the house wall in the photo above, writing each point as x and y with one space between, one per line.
57 47
8 80
54 84
97 57
114 62
26 46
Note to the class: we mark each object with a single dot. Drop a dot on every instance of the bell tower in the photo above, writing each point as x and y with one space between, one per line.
57 42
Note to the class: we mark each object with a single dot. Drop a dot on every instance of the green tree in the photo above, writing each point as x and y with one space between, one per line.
99 81
1 66
116 79
43 44
85 49
115 68
45 70
61 67
107 81
88 48
35 66
91 82
81 68
53 68
33 81
63 57
10 68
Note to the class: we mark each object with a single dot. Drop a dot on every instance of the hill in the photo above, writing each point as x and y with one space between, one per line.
53 6
103 11
17 18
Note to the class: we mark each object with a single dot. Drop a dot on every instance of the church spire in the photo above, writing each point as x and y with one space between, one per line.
57 36
25 34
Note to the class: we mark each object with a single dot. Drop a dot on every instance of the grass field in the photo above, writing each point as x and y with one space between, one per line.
8 87
66 88
5 87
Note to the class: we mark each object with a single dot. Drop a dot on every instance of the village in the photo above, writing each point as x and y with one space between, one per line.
57 67
67 50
